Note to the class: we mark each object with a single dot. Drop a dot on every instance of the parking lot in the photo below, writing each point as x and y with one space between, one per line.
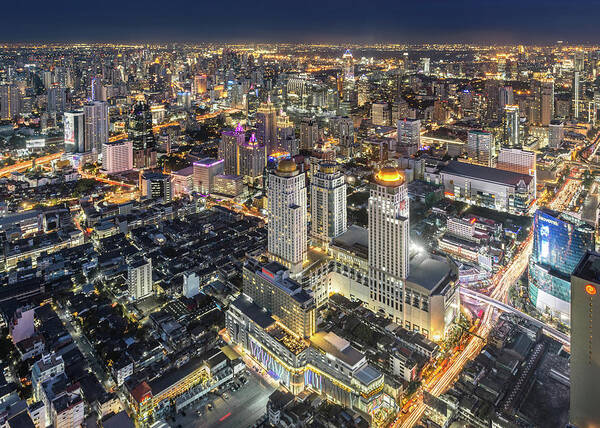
239 409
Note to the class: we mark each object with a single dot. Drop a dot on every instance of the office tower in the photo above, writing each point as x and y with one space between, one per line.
269 286
266 125
512 133
576 94
228 148
425 63
584 411
505 96
578 60
139 278
184 100
200 84
348 64
328 202
117 156
491 93
409 136
96 125
480 147
286 136
559 243
228 185
10 101
388 241
517 160
205 171
158 113
252 159
74 129
155 185
556 134
543 92
362 89
57 99
309 134
287 223
142 136
342 128
380 114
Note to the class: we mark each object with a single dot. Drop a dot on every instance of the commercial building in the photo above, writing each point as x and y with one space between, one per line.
512 121
409 136
141 133
228 149
287 222
556 134
559 243
309 133
266 126
228 185
481 147
139 278
585 343
488 187
328 202
380 114
183 181
74 129
155 185
205 171
517 160
117 156
96 125
269 286
251 160
10 101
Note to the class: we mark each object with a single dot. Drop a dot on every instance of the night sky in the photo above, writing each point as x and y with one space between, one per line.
496 21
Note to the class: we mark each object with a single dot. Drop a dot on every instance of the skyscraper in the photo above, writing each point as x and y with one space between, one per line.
10 101
266 125
506 96
252 159
584 411
559 243
309 134
117 156
328 202
409 136
380 114
74 130
96 125
576 94
287 223
512 134
228 148
388 241
57 99
543 91
480 147
141 134
200 83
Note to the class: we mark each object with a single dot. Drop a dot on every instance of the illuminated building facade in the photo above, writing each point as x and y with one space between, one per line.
481 147
251 160
328 202
141 134
584 411
117 156
559 243
409 136
228 149
205 171
96 125
512 133
74 127
266 125
287 222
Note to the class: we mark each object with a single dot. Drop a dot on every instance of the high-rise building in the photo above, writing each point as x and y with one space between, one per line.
96 125
517 160
481 147
388 241
139 278
10 101
584 411
266 125
328 202
348 61
543 92
512 133
200 84
425 64
559 243
556 134
57 99
409 136
362 88
205 171
228 148
184 100
252 159
380 114
287 222
269 286
74 130
506 96
117 156
576 94
142 136
309 134
155 185
286 136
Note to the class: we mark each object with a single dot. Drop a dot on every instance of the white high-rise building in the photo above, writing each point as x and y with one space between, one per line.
328 203
96 125
409 136
511 126
517 160
388 242
139 278
287 223
74 126
117 156
480 147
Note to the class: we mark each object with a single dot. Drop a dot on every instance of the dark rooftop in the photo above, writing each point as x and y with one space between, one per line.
485 173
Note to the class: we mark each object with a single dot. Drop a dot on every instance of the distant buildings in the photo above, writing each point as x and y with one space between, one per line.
309 134
10 101
512 126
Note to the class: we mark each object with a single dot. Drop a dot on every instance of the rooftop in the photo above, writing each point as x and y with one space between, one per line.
485 173
340 348
429 271
259 315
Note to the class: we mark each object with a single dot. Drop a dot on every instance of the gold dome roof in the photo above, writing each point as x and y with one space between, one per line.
389 176
287 165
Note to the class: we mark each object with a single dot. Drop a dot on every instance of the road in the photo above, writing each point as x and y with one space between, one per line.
21 166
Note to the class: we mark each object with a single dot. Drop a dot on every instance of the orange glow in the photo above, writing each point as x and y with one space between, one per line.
389 175
473 220
590 289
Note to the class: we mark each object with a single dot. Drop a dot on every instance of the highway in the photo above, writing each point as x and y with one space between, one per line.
21 166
